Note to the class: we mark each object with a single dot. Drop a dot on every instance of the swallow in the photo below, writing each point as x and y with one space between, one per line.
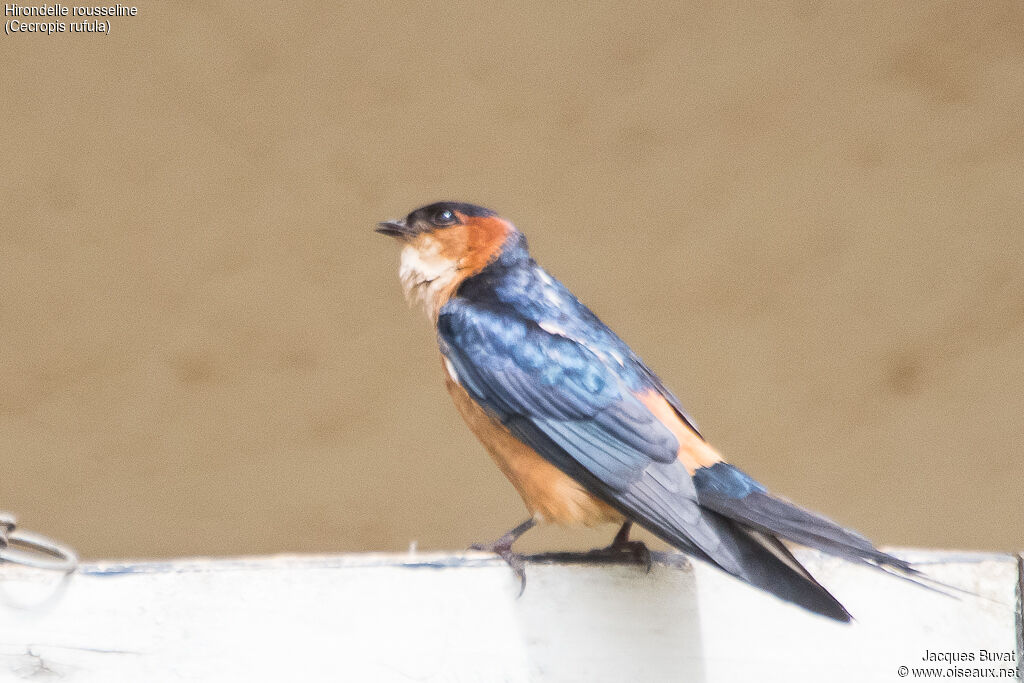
582 428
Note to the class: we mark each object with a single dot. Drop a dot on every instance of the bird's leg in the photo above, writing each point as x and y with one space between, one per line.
621 544
503 548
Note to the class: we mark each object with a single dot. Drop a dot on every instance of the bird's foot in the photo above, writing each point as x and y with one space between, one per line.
514 560
630 551
503 549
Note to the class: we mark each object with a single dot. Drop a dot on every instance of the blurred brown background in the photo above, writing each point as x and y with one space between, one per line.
806 217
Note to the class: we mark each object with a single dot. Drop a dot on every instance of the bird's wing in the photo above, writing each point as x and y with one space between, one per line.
568 403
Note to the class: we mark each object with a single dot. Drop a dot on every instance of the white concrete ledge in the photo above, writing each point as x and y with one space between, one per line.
433 617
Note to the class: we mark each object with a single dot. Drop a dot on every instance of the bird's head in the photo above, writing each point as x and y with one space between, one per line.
442 245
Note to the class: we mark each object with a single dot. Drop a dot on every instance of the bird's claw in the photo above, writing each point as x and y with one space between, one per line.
635 551
513 560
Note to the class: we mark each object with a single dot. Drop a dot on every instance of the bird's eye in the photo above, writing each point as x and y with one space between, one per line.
444 217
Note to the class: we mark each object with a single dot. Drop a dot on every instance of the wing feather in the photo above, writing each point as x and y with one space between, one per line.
565 401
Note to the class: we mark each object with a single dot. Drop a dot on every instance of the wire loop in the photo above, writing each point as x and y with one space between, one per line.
33 550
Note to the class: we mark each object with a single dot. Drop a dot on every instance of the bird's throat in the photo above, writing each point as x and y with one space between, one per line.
428 277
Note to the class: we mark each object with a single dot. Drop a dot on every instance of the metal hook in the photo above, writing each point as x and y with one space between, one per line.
33 550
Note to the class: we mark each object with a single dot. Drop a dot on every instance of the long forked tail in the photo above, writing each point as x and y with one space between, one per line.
757 558
766 563
729 492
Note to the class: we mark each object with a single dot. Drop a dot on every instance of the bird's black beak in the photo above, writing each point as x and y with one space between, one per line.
394 229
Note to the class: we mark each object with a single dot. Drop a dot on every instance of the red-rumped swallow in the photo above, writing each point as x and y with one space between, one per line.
583 429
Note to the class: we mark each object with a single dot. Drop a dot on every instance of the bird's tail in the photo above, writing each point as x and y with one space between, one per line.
754 556
766 563
766 513
764 518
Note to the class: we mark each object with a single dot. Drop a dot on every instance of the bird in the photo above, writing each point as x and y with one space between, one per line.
584 430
